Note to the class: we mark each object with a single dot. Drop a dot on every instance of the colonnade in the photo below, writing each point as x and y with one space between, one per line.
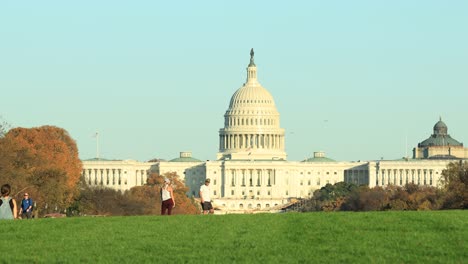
253 141
113 177
404 176
250 177
252 121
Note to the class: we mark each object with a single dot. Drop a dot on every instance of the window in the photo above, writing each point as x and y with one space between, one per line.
241 206
232 192
259 206
258 192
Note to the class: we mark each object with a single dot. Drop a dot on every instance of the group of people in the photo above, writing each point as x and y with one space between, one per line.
168 202
8 207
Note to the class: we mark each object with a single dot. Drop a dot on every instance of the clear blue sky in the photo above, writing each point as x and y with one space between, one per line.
356 79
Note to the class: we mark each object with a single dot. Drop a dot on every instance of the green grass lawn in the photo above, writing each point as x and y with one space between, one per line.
370 237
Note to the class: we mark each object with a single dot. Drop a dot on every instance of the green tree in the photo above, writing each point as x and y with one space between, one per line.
455 185
329 197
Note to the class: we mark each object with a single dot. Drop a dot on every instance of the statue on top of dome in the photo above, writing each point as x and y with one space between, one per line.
252 58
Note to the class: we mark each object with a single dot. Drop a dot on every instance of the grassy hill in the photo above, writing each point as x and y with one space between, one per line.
368 237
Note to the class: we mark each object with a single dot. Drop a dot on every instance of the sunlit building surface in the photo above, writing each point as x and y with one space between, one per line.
252 173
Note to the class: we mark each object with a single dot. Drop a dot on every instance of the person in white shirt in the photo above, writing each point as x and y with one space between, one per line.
205 193
167 197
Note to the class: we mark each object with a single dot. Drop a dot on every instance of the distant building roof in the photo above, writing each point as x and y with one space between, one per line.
98 159
319 156
443 157
440 137
185 156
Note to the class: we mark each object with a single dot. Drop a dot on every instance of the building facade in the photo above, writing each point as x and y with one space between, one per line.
252 173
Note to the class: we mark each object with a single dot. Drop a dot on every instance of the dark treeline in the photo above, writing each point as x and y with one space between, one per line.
342 196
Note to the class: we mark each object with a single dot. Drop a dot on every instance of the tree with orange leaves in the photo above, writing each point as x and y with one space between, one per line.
42 161
139 200
150 194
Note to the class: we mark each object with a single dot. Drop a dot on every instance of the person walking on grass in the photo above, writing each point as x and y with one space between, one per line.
167 197
205 197
26 206
7 204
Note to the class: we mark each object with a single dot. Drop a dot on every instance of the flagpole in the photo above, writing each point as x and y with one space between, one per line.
97 145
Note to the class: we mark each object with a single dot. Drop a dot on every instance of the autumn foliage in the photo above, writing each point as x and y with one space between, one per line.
341 196
139 200
42 161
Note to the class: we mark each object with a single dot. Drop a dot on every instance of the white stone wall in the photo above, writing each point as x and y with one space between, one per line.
260 185
119 175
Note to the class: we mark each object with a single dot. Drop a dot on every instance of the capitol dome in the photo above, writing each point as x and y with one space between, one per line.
252 95
252 123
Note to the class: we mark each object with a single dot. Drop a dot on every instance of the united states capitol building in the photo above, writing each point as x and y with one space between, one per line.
252 173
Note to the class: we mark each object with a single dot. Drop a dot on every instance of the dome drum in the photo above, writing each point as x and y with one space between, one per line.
440 144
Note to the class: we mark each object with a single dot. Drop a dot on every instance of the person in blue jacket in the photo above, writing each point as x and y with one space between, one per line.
26 206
